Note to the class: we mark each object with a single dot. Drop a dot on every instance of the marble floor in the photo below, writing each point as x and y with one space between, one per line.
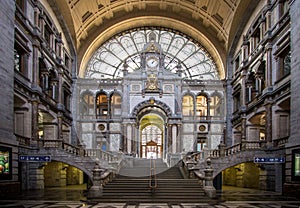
73 197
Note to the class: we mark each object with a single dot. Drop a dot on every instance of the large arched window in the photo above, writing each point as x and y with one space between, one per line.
216 105
115 105
188 105
87 104
201 106
53 84
108 60
101 105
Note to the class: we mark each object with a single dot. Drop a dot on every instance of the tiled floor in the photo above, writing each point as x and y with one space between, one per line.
229 197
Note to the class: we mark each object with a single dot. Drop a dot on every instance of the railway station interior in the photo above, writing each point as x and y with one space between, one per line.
149 100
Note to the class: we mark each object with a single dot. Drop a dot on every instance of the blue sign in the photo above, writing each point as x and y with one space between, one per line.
34 158
269 160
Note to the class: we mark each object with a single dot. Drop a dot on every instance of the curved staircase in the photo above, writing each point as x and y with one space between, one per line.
132 185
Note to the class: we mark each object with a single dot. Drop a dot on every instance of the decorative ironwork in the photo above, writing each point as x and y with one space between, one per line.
108 61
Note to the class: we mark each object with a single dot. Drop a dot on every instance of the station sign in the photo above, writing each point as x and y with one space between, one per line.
269 160
35 158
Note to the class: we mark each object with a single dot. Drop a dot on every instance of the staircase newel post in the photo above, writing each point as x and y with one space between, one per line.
97 189
208 185
222 149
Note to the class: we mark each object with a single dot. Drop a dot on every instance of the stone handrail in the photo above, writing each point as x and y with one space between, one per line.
192 164
97 154
71 148
224 152
190 161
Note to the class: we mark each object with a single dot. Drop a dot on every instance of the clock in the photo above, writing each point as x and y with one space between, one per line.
152 62
202 128
101 127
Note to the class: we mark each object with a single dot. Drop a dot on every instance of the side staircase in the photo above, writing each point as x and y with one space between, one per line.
132 184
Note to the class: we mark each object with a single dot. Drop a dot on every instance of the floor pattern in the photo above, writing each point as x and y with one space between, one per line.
74 197
74 204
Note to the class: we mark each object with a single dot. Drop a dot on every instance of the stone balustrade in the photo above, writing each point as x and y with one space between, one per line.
24 141
224 152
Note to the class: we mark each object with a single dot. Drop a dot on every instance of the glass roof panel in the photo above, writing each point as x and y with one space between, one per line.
108 60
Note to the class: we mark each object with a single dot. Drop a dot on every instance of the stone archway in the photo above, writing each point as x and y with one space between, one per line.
152 116
151 129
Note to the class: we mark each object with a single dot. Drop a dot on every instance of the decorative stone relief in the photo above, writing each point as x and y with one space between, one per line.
168 88
188 143
216 128
188 128
115 127
114 142
136 87
215 141
87 126
87 140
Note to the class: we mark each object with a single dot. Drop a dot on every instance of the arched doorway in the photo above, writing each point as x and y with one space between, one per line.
151 136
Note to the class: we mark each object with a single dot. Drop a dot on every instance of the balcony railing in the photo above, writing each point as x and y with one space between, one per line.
24 141
280 142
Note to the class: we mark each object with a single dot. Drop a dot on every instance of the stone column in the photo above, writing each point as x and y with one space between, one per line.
60 90
124 138
35 67
59 133
179 126
228 110
243 131
129 138
175 147
135 141
268 125
243 106
269 65
169 138
34 122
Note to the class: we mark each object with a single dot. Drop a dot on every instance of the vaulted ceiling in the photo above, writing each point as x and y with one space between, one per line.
213 23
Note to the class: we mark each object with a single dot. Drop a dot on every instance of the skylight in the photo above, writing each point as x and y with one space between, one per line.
108 60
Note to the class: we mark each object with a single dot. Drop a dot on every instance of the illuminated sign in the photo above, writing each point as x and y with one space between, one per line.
296 165
269 159
35 158
5 163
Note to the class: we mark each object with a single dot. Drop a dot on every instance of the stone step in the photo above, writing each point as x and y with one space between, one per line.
159 191
133 187
153 197
140 181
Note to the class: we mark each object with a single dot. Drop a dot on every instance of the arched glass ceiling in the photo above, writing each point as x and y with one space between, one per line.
108 60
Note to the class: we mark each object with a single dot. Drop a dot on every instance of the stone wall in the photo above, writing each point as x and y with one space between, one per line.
7 9
7 139
293 187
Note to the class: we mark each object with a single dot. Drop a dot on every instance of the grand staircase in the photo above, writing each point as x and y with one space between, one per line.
132 185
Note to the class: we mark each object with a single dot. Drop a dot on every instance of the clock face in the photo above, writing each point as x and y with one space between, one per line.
202 128
152 62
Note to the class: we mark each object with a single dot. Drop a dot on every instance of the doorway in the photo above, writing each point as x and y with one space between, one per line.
151 151
151 136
